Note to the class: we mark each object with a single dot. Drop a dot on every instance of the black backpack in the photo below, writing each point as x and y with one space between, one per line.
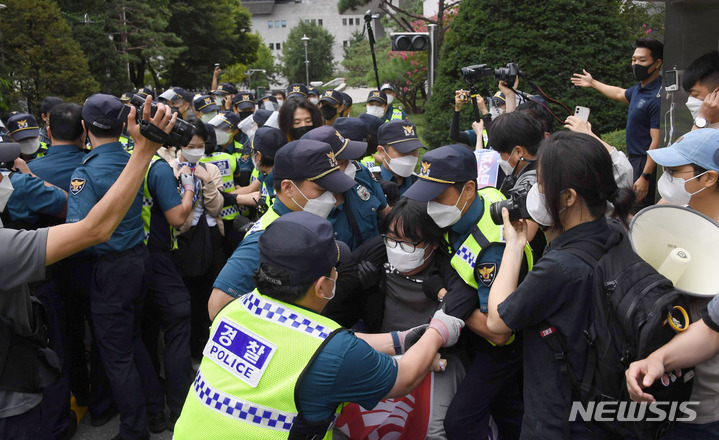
630 318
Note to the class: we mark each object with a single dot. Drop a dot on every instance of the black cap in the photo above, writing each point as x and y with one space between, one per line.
313 91
297 90
102 111
9 151
333 97
440 168
225 89
144 92
23 125
373 123
346 99
343 148
176 92
49 103
205 104
268 140
244 101
261 116
400 135
351 128
303 245
377 96
315 161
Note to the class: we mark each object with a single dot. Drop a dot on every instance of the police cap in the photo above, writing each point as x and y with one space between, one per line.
440 168
400 135
315 161
343 148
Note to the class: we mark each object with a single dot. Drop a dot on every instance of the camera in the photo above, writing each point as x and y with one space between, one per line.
507 74
181 133
463 97
516 204
472 74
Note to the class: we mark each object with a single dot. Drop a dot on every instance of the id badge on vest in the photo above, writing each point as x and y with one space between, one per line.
243 353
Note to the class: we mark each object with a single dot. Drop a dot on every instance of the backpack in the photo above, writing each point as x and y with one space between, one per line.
629 319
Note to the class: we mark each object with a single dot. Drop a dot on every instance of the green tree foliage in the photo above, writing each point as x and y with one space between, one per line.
319 53
38 55
213 32
644 19
550 41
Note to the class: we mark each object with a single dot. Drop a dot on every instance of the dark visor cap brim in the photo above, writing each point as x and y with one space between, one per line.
336 182
425 190
353 150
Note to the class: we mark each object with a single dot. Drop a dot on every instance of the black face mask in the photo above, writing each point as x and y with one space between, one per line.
298 132
328 112
245 115
641 72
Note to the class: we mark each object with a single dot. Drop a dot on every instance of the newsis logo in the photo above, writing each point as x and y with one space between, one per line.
613 411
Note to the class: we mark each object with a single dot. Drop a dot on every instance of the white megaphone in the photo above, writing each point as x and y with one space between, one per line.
681 244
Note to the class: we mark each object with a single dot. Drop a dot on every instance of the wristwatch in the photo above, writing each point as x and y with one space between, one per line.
647 176
701 122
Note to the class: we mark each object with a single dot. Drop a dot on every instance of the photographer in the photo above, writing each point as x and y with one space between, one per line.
28 252
469 137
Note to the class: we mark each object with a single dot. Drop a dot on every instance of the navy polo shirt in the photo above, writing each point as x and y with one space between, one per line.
235 279
89 183
162 184
643 115
31 198
57 165
387 175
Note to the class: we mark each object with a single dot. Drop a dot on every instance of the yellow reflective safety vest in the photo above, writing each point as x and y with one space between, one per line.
147 203
227 164
465 257
245 387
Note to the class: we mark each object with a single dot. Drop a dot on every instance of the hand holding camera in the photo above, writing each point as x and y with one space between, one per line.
156 122
179 134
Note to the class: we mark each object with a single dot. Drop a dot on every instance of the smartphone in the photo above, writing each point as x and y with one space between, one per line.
217 65
582 113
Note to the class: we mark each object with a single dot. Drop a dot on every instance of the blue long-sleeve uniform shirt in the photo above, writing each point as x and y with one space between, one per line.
57 165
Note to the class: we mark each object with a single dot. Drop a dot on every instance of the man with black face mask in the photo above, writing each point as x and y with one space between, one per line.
331 105
644 113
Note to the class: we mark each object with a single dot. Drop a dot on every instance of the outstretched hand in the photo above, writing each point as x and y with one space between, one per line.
583 80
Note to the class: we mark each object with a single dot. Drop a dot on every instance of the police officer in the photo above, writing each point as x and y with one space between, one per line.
373 123
205 108
355 218
376 103
392 113
45 107
398 148
119 274
268 102
313 95
331 105
447 183
347 103
23 129
297 91
262 374
223 95
243 104
179 100
307 178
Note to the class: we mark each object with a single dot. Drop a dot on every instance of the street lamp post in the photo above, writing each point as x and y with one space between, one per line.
305 39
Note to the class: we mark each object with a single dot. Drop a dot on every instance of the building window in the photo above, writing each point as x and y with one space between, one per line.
314 21
307 21
319 21
284 23
279 46
272 46
344 21
277 23
357 21
352 21
345 43
269 24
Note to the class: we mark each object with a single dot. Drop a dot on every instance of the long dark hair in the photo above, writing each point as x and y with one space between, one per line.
579 161
287 115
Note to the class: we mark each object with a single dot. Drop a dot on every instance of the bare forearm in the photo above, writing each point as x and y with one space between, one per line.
477 322
612 92
697 344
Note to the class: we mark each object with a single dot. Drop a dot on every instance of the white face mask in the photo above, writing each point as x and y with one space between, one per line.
351 170
320 206
445 215
280 102
220 101
6 190
537 207
223 137
193 155
672 189
314 101
29 146
207 117
390 98
402 166
334 288
375 111
693 105
506 167
254 163
406 262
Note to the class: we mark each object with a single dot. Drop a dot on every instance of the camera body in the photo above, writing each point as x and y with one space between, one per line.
516 204
181 133
472 74
507 74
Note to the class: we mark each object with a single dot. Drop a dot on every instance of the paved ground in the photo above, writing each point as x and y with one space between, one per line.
108 431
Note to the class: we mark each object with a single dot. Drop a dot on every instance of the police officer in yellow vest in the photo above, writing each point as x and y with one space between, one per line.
274 368
392 113
448 183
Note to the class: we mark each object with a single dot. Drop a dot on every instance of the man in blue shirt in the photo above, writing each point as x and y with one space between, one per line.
399 148
305 365
120 274
307 178
644 99
68 143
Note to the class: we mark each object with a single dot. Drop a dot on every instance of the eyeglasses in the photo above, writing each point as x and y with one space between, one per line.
406 246
672 173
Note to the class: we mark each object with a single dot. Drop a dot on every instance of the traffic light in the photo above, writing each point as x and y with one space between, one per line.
410 41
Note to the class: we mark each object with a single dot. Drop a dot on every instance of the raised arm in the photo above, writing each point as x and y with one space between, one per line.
586 80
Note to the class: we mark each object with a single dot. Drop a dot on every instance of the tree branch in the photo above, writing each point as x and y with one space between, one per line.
407 28
415 16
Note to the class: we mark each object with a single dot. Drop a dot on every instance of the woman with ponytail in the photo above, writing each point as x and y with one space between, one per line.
570 200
